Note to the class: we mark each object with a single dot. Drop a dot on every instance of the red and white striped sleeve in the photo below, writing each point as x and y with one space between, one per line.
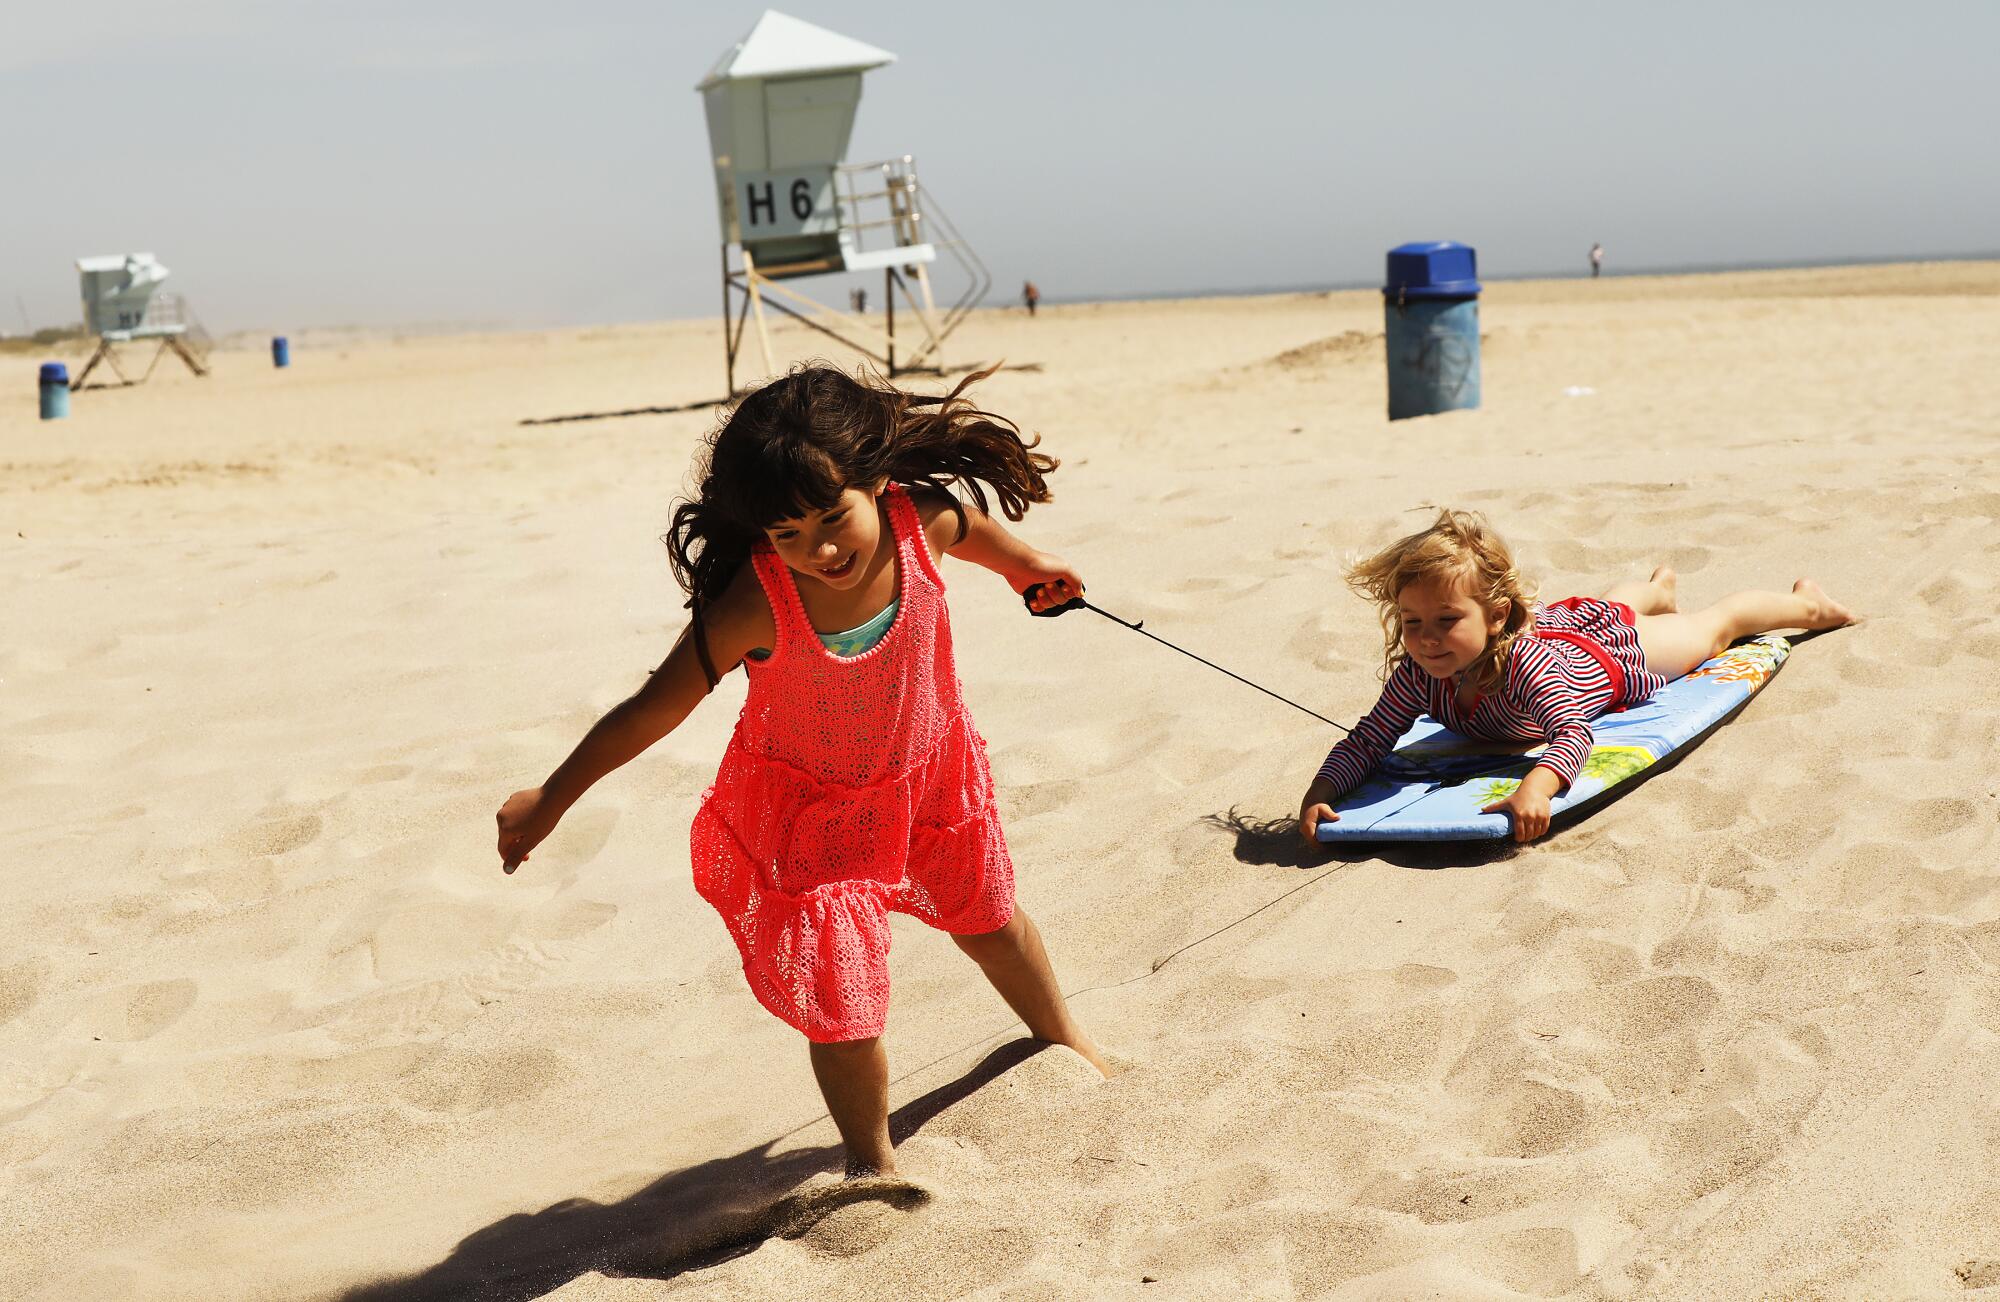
1538 681
1354 756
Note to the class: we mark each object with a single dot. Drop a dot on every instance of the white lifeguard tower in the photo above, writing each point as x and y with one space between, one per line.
122 302
780 107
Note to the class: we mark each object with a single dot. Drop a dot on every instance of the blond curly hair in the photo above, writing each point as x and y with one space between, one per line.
1459 546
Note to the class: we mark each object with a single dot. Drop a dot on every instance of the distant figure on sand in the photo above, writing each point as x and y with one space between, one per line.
857 298
1596 260
1466 643
1030 295
855 783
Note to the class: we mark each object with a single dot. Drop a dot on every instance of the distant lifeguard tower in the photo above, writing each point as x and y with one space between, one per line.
780 107
122 303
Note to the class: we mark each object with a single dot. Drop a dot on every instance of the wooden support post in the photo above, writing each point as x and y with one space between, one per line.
757 307
103 351
728 343
889 301
926 309
179 346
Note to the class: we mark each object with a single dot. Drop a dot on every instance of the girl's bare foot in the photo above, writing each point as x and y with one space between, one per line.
1824 611
858 1169
1668 583
1084 1049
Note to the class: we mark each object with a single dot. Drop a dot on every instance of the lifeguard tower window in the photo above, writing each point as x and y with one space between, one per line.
808 119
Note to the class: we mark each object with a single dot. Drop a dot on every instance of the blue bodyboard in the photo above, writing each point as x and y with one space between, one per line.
1433 785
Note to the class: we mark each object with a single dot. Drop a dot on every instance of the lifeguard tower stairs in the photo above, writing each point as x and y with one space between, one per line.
780 106
122 304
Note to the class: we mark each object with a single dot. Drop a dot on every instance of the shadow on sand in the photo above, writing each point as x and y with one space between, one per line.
712 403
628 411
696 1217
1274 843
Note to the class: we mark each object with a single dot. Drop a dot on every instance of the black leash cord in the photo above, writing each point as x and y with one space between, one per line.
1074 603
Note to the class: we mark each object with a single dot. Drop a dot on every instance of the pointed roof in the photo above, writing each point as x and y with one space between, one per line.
782 46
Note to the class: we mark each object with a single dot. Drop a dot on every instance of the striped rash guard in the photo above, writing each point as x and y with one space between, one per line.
1580 659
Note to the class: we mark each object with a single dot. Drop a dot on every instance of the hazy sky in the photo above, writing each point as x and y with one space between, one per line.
312 162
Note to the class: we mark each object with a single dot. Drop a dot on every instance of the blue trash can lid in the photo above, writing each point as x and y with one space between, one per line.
1436 269
55 373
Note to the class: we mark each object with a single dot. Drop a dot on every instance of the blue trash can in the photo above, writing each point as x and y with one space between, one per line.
281 351
1430 307
55 391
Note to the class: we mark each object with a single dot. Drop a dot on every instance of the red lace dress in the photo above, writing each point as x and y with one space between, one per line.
851 787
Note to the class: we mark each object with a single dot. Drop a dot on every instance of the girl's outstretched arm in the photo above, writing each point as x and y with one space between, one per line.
988 543
1354 756
737 622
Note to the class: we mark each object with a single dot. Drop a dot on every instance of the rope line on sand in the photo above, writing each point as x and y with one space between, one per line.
1158 963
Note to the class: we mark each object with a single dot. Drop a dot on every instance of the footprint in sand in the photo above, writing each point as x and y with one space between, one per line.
1541 1261
1422 976
1649 1008
1978 1272
1982 645
580 918
1949 595
1020 803
845 1218
273 836
1532 1119
143 1011
1924 820
20 987
462 1082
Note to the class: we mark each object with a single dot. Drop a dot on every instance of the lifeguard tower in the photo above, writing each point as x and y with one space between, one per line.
122 303
780 107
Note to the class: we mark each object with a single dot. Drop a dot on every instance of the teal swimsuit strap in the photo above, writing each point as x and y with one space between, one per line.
862 637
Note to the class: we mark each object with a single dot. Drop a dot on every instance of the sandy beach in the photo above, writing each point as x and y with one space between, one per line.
273 1025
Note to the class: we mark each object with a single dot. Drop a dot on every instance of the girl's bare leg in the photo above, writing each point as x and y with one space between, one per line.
1656 596
853 1077
1015 962
1677 643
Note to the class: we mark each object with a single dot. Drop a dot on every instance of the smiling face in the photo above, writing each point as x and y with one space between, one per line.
1444 628
837 546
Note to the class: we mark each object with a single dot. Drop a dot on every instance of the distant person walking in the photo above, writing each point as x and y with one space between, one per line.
1596 260
1030 295
857 299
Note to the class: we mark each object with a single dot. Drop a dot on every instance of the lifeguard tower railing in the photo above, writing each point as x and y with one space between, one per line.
165 314
911 216
885 221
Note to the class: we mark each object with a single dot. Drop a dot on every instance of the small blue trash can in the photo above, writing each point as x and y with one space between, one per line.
281 351
1430 306
55 391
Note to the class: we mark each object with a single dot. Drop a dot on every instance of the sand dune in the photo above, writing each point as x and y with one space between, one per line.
273 1025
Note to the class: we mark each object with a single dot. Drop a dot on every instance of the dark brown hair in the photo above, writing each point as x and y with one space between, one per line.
793 445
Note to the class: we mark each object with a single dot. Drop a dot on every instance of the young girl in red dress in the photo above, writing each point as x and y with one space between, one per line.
855 783
1464 642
